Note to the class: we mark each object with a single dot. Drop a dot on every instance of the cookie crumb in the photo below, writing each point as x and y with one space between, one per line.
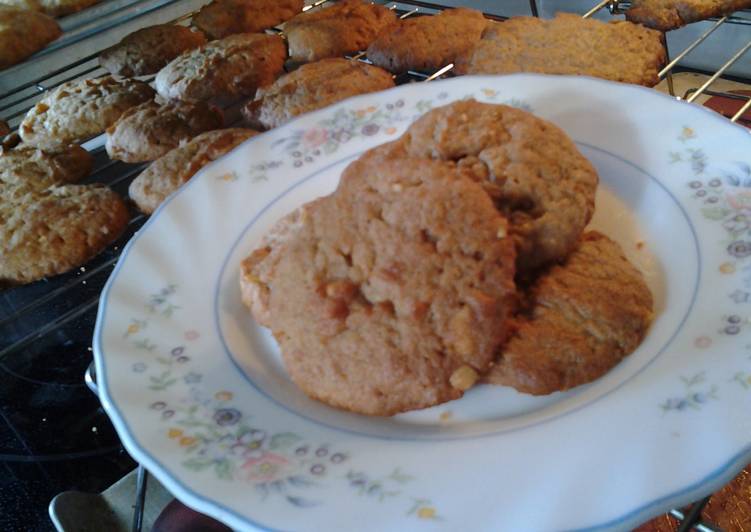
463 378
445 416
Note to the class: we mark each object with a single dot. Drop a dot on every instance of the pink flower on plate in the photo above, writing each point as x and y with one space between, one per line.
740 201
315 137
265 468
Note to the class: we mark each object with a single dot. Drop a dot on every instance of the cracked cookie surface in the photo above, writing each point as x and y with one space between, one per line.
584 316
391 294
534 173
78 110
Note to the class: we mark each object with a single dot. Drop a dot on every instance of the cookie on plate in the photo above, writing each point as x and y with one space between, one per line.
665 15
24 32
313 86
225 70
530 168
27 164
340 29
148 50
584 317
427 43
46 231
169 172
78 110
568 44
221 18
393 293
150 130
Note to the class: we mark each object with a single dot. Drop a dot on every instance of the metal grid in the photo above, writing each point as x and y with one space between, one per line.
28 314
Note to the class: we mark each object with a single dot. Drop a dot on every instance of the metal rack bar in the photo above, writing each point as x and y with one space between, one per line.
600 5
746 106
720 72
692 47
141 483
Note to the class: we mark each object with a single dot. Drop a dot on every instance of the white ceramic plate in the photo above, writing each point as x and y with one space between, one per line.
199 395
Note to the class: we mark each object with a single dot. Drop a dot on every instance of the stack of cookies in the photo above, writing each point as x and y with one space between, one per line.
453 255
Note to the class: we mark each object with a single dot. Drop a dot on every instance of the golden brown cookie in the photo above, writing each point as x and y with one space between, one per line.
427 43
78 110
147 50
26 164
391 294
24 32
225 70
150 130
665 15
584 317
313 86
568 44
339 28
61 8
168 173
221 18
48 231
530 168
31 5
730 508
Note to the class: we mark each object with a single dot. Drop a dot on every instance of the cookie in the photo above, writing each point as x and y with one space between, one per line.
313 86
392 293
150 130
31 5
343 28
26 164
23 32
568 44
585 316
221 18
666 15
427 43
61 8
46 231
169 172
78 110
225 70
148 50
530 168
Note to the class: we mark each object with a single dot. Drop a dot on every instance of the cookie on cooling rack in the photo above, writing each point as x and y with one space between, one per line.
530 168
23 32
427 43
169 172
393 293
666 15
150 130
61 8
147 50
221 18
78 110
225 70
341 28
313 86
26 164
568 44
47 231
585 315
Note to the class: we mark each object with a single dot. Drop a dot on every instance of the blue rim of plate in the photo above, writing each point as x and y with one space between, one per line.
702 487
